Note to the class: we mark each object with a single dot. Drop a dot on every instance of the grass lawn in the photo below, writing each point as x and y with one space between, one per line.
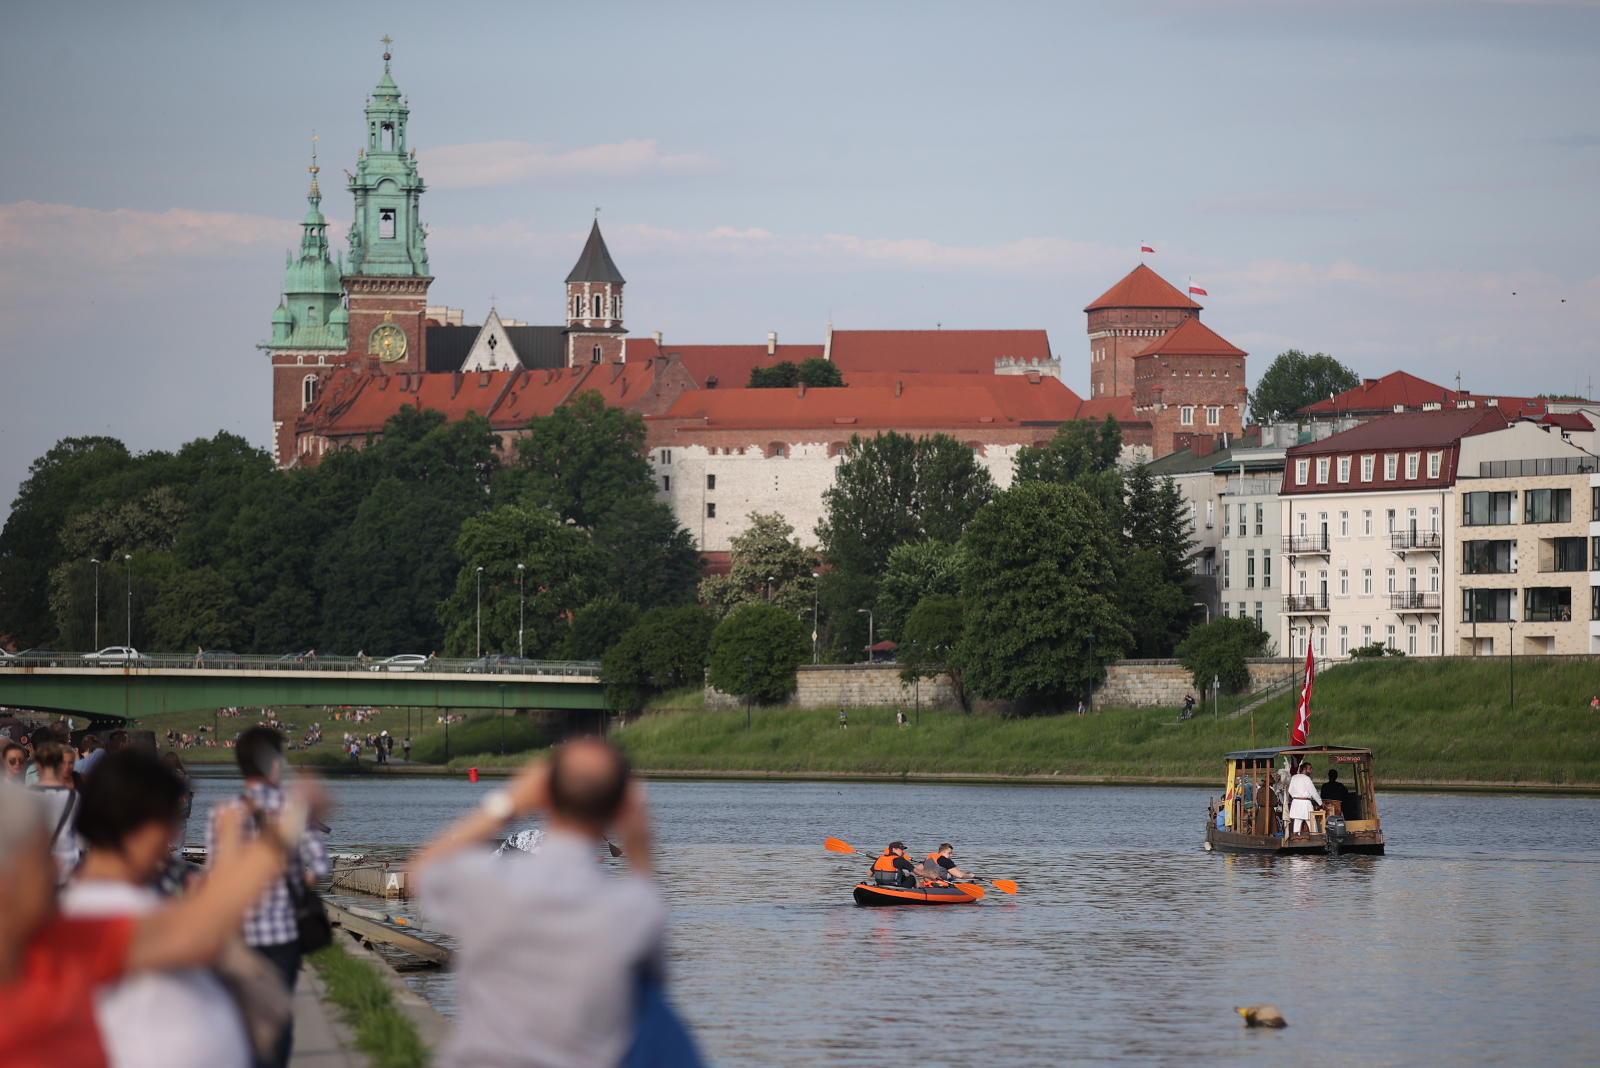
382 1031
423 723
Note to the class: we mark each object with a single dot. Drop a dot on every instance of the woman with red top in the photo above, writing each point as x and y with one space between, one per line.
50 965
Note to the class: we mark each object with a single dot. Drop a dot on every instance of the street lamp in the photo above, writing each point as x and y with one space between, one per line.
916 657
747 693
1091 674
770 581
816 587
870 634
1202 604
96 564
127 562
521 604
480 611
502 719
1513 657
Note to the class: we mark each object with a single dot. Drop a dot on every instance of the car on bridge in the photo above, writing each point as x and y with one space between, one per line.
403 662
37 658
216 658
316 656
115 654
501 663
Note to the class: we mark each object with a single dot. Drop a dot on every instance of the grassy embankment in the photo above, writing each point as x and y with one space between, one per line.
382 1031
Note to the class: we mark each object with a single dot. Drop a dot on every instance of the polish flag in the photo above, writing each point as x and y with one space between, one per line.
1146 248
1197 291
1302 711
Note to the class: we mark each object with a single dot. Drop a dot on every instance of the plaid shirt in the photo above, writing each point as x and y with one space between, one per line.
270 921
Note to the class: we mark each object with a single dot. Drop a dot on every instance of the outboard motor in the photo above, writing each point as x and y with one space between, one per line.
1334 838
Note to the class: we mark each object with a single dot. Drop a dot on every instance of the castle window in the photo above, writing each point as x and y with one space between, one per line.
666 483
311 315
711 509
776 450
577 307
616 306
1185 416
595 358
386 222
594 303
1213 417
666 456
308 391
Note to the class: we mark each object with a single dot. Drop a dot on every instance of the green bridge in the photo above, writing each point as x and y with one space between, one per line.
118 692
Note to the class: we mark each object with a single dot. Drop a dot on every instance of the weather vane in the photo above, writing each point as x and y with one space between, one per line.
597 211
387 41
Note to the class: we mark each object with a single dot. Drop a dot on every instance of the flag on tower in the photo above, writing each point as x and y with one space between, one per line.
1302 711
1197 291
1146 248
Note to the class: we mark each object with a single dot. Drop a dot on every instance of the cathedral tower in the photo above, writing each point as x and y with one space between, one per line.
594 306
310 329
1127 319
387 278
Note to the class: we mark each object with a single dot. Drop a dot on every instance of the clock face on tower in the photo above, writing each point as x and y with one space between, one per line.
388 343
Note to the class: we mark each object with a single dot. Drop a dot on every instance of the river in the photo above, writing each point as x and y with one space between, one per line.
1475 941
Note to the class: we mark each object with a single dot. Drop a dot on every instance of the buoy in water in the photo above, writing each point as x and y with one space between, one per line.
1262 1016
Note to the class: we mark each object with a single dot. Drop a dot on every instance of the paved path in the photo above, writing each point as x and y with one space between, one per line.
321 1040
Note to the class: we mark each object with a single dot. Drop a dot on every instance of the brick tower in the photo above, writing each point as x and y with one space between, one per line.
1189 383
387 277
594 306
1127 319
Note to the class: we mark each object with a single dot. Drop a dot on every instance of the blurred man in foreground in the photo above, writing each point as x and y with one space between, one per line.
550 949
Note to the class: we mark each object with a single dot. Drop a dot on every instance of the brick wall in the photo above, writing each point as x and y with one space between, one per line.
1116 336
402 301
1166 385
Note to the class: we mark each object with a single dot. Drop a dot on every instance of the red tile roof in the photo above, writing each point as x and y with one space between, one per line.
731 364
1567 421
935 351
1407 430
1046 400
1143 288
1411 392
1098 408
1191 338
847 409
355 403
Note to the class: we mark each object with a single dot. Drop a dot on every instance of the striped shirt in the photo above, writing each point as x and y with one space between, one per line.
270 921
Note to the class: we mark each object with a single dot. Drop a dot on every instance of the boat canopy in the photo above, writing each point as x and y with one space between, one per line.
1268 754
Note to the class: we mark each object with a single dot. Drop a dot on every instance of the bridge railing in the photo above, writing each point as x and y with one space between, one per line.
430 666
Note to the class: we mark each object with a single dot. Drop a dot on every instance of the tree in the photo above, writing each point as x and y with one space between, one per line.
560 576
1082 452
580 461
932 635
916 570
754 653
1295 380
815 372
597 626
197 609
1040 578
648 559
665 650
286 621
764 550
1218 650
1154 590
818 373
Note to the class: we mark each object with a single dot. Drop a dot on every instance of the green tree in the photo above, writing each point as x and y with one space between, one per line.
197 609
916 570
560 576
580 461
764 550
754 652
597 626
818 373
1040 579
665 650
1083 452
648 559
286 622
1295 380
1155 587
781 375
1219 649
933 634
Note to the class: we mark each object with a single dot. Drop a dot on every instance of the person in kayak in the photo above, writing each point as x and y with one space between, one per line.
941 866
893 869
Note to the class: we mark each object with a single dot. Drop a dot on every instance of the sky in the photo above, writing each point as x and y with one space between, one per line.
1401 185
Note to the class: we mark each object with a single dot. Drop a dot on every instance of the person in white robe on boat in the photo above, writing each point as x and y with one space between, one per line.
1303 796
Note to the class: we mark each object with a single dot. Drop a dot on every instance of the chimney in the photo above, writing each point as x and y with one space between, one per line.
802 392
1201 445
657 336
711 381
772 344
1368 383
898 386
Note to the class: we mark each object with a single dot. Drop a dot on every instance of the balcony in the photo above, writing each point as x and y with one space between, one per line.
1304 603
1305 544
1404 541
1413 602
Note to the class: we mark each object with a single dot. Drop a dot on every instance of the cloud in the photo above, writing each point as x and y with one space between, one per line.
501 163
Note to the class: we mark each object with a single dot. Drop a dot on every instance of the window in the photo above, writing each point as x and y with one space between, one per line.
666 456
1411 580
1594 602
1413 459
594 305
1433 639
1302 524
1391 580
1194 516
1435 464
666 483
1547 604
1366 468
711 509
1388 633
1391 467
616 306
1571 554
1594 505
1227 510
1244 609
1213 417
711 482
1411 638
1250 569
1225 605
1366 635
1486 509
1322 641
1302 583
1344 469
1259 619
1344 582
594 357
385 222
1227 568
1211 514
577 307
1547 506
1186 417
308 390
1344 641
1322 586
1261 519
1433 518
1366 581
1302 470
1266 569
1366 522
1322 470
1433 579
1487 606
1344 524
1391 519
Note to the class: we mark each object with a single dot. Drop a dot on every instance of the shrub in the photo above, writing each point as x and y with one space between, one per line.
1219 649
755 652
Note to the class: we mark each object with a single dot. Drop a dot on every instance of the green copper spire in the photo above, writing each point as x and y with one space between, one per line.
312 315
386 237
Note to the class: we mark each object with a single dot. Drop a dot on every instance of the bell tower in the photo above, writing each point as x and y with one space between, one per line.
594 306
387 279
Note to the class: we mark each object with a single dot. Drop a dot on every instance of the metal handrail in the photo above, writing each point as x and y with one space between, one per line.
1416 539
434 667
1305 602
1305 543
1399 602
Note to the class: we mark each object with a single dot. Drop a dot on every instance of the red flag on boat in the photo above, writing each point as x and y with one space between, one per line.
1146 248
1302 712
1197 291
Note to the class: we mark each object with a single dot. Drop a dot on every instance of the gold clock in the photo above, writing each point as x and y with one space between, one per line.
388 343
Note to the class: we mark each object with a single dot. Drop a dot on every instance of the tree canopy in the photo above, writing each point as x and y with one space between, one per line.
754 652
1294 380
765 550
814 371
1219 649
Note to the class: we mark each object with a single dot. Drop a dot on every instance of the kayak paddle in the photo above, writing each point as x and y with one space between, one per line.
835 845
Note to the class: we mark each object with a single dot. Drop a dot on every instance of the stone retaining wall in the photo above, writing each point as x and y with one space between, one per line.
1143 683
852 686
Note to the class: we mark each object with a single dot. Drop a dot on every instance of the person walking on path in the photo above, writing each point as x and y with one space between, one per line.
406 748
550 950
844 723
270 927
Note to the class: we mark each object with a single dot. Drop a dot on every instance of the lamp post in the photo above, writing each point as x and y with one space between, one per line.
816 586
870 632
1202 604
502 719
1513 657
1091 674
770 581
521 604
747 693
96 564
480 611
127 562
916 658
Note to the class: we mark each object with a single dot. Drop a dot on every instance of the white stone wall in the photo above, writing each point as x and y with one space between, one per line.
1163 683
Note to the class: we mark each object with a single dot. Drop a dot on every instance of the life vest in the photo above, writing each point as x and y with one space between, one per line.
885 873
885 862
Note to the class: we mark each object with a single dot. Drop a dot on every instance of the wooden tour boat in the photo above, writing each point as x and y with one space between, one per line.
1251 816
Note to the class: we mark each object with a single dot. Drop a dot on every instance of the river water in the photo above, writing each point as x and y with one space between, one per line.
1475 941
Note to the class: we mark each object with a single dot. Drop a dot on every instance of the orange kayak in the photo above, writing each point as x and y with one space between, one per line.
872 894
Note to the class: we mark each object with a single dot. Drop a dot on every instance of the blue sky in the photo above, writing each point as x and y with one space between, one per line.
1373 180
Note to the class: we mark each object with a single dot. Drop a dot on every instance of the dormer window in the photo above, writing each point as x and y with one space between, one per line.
386 222
311 315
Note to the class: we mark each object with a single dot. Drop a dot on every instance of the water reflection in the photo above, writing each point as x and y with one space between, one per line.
1474 941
